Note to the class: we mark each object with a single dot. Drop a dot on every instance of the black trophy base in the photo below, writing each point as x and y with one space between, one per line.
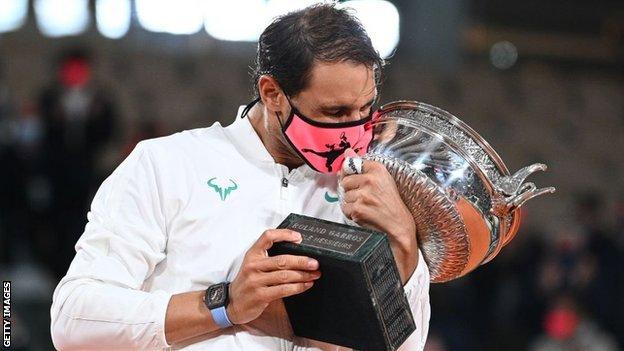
359 301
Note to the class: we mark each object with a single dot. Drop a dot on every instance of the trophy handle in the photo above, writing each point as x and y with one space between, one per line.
514 192
526 193
510 185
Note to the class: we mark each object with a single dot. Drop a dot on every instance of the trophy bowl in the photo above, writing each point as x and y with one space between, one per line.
464 201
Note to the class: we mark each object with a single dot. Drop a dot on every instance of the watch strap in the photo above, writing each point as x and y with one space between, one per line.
219 315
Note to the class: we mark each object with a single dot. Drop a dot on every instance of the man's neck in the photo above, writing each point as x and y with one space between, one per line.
266 125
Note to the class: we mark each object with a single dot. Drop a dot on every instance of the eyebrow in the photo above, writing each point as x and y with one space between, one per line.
345 107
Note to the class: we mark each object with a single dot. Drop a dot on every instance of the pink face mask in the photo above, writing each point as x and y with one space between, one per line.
322 145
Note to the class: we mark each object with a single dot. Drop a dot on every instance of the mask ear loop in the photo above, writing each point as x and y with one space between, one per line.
249 106
290 115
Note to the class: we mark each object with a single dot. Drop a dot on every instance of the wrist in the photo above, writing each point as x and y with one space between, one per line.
231 313
405 249
405 238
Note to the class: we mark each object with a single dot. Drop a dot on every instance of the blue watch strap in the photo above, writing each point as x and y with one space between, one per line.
219 315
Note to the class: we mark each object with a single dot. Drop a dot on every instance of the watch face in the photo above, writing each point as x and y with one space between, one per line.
216 295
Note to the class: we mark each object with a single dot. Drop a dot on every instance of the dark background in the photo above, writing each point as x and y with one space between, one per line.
542 81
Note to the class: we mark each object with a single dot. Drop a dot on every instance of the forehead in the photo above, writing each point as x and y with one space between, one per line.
340 83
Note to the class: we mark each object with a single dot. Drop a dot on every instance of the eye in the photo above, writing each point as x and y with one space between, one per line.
336 113
369 107
366 110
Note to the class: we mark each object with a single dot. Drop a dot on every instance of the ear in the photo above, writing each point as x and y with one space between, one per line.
272 94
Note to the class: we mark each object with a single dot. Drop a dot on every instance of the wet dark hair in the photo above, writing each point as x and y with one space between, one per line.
291 44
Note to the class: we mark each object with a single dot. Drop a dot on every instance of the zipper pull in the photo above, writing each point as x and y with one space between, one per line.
285 182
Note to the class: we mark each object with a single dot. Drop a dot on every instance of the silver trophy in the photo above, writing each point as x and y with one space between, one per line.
465 203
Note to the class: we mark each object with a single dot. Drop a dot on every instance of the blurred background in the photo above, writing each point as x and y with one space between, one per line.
82 81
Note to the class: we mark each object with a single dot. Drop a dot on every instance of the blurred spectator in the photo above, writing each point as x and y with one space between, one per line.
601 271
78 120
567 329
506 300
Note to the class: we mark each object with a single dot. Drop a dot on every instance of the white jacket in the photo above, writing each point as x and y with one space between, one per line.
176 216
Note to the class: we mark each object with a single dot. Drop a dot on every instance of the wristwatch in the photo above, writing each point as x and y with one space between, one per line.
216 299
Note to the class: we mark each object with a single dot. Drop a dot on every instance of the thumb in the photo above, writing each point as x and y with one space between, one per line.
352 163
349 153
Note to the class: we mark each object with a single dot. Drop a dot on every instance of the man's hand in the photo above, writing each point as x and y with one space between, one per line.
372 200
263 279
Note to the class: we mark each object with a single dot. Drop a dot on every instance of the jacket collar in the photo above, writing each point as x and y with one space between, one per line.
244 137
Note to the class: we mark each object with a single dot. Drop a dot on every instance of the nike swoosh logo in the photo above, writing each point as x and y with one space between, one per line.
330 198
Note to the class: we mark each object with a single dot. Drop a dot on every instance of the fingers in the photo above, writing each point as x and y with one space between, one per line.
369 166
352 182
360 207
287 262
374 173
269 237
262 279
288 277
355 211
350 153
357 181
354 195
285 290
351 164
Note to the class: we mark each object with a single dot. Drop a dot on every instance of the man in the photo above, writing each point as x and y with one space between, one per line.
193 211
78 121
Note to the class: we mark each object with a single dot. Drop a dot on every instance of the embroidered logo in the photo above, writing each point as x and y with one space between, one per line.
330 198
222 191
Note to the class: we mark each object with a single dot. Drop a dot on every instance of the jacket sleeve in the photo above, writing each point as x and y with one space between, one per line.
417 292
99 303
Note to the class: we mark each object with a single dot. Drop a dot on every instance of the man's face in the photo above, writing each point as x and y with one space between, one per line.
337 92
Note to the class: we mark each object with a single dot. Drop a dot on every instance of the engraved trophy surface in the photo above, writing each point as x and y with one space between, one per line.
465 202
